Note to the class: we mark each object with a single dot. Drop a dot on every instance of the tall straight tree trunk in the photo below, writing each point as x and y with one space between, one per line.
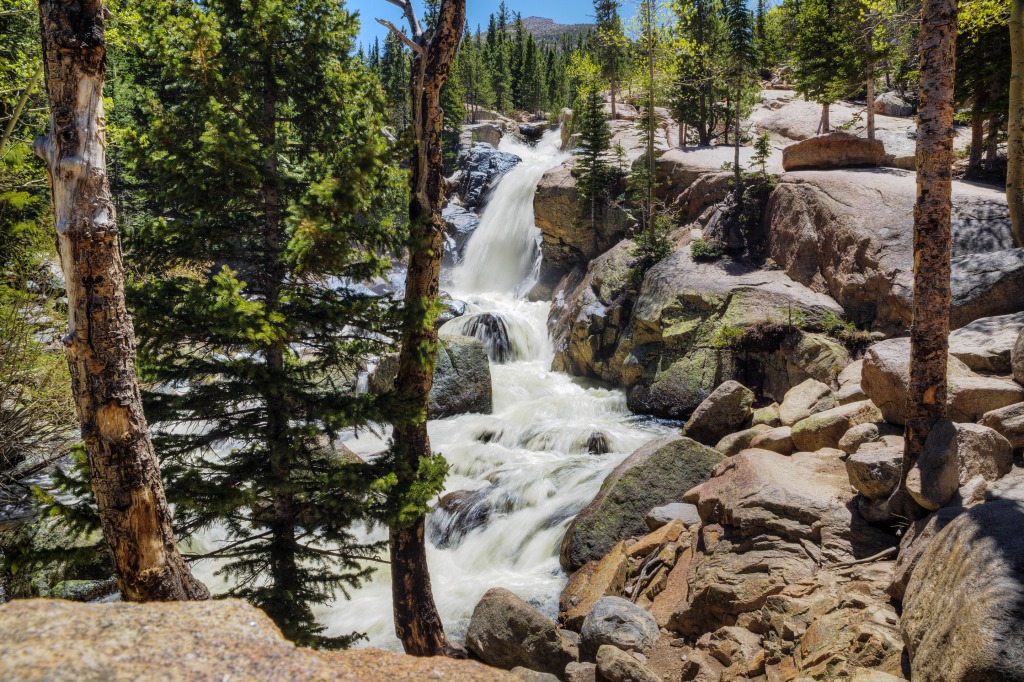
417 622
614 112
977 129
825 126
871 102
1015 124
100 343
929 332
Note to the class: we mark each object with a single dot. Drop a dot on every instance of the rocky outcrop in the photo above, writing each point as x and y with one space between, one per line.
886 375
183 641
692 327
658 473
506 632
1008 422
963 612
604 577
568 239
849 233
834 150
462 378
459 224
482 165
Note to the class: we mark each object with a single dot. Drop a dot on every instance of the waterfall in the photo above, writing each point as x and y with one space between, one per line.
520 474
502 252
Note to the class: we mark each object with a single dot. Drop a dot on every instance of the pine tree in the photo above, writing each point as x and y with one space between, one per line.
829 61
591 165
395 64
264 169
702 66
612 45
497 54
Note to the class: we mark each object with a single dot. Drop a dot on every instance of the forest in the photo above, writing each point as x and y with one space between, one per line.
683 342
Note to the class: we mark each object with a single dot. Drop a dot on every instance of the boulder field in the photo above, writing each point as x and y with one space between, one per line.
765 541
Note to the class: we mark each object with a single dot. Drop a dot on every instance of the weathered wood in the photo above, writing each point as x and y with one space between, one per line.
100 342
417 622
929 332
1015 124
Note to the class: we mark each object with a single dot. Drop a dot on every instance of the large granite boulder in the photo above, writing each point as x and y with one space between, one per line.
506 632
849 232
568 239
720 414
50 639
459 224
658 473
886 375
875 469
482 166
805 399
954 454
891 104
462 378
834 150
985 345
826 429
963 611
1008 422
615 665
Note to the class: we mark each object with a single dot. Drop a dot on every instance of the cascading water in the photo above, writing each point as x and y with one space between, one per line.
520 474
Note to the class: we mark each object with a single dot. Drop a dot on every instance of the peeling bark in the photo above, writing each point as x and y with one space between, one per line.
417 622
929 332
100 342
1015 124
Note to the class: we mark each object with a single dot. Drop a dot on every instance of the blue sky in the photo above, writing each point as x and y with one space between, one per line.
562 11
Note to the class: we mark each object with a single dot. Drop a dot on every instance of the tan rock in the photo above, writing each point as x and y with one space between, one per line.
1009 422
834 150
600 578
768 416
805 399
48 639
721 413
778 440
735 442
667 533
826 429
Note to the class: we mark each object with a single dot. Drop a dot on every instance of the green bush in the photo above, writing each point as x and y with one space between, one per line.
705 250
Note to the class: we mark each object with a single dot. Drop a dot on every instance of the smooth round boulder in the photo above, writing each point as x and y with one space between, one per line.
736 442
506 632
805 399
875 470
826 429
778 440
720 413
620 623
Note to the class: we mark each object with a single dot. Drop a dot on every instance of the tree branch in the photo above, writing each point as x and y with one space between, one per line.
410 15
415 47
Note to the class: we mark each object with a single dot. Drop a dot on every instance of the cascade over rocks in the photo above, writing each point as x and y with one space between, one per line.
656 474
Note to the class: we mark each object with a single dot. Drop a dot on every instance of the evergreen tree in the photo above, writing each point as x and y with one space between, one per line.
264 172
591 165
612 45
394 72
497 56
701 67
829 59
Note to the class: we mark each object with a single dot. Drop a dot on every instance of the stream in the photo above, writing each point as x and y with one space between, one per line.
526 469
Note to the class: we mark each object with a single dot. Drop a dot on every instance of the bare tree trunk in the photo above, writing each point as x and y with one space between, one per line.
929 332
682 135
825 127
417 622
871 103
100 343
1015 124
977 136
614 112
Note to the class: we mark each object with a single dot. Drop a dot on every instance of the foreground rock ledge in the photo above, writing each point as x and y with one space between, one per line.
49 639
